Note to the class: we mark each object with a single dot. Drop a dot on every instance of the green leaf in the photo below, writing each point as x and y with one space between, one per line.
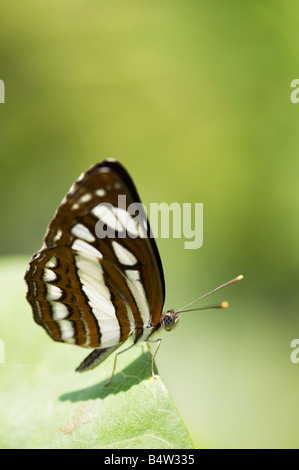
46 404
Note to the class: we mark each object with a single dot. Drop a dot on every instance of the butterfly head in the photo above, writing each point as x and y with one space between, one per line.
169 319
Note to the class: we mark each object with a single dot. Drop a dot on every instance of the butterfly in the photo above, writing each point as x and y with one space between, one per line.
98 278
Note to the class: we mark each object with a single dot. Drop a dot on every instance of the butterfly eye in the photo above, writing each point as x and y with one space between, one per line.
169 320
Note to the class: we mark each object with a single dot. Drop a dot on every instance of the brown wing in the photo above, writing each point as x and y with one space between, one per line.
95 291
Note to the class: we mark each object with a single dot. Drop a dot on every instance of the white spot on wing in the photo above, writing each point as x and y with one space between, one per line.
52 263
138 292
117 219
91 276
131 318
85 198
39 311
34 269
126 221
81 231
124 256
104 213
58 235
53 292
81 177
49 275
72 188
67 331
34 288
82 246
59 310
100 192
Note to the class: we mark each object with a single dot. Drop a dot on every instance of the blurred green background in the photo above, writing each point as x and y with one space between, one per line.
194 99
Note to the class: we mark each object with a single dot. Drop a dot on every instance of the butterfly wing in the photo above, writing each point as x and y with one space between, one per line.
91 291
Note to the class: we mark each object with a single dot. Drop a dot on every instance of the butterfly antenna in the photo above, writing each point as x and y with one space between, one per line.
220 305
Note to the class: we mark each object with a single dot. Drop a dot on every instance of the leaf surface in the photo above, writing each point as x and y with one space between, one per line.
46 404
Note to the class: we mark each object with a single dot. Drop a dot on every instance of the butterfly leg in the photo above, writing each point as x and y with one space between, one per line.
114 364
155 353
